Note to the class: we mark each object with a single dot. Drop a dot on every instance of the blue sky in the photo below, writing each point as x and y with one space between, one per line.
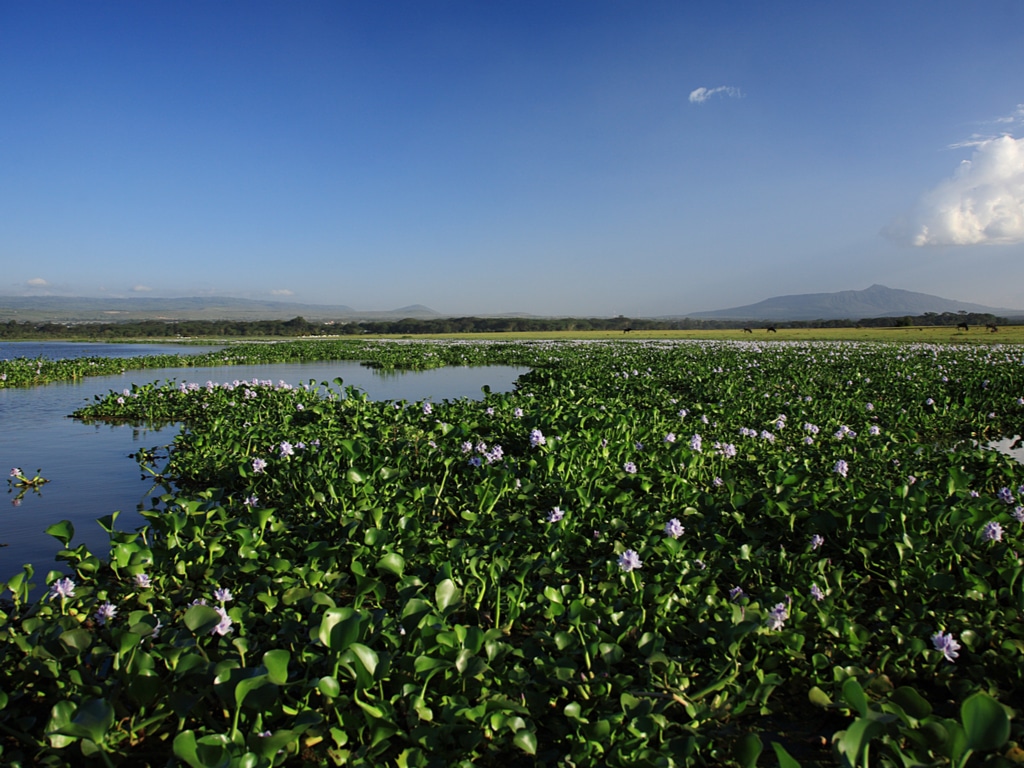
577 157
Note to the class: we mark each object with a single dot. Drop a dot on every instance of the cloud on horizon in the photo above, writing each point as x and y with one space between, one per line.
982 204
37 282
141 289
702 94
282 292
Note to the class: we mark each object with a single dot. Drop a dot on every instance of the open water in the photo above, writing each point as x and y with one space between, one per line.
88 466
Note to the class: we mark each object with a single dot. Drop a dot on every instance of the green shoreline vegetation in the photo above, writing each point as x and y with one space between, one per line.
655 551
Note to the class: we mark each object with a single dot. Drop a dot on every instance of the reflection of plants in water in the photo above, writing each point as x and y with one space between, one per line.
18 480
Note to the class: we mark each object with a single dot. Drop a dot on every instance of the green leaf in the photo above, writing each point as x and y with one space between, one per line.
785 759
985 722
819 698
200 619
446 594
63 531
392 562
526 741
854 695
748 749
339 628
276 662
911 702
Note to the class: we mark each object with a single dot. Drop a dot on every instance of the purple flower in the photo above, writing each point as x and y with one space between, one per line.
555 515
15 472
286 449
629 561
777 616
105 613
736 593
62 588
629 468
1005 495
489 411
717 482
695 443
427 409
817 540
674 528
517 412
476 461
467 447
869 407
537 438
258 465
495 454
670 437
1018 514
251 500
992 531
223 595
874 430
841 468
946 644
224 625
816 593
142 581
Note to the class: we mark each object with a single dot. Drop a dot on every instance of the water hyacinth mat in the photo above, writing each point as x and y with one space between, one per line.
674 553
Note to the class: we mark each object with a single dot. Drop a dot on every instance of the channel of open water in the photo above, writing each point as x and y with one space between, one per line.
88 466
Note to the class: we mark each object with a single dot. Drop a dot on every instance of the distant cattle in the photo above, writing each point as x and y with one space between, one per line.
747 330
770 329
991 327
627 330
965 326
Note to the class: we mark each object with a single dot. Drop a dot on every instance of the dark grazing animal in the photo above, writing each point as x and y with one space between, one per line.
770 329
965 326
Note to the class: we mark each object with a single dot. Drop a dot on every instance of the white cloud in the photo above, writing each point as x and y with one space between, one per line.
282 292
141 289
38 282
702 94
983 203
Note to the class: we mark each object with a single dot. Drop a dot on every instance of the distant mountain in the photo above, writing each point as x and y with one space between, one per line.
876 301
83 309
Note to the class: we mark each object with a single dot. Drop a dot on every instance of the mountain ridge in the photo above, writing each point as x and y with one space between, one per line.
872 302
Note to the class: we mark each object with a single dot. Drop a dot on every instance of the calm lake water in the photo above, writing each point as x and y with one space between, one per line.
88 466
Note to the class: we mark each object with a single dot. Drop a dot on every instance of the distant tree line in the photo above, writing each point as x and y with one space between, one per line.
299 326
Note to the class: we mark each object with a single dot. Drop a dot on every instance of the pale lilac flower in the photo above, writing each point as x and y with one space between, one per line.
537 438
105 613
62 588
817 540
946 644
495 454
695 443
992 531
973 494
15 471
142 581
911 479
224 625
476 461
427 409
808 440
300 407
777 616
717 482
120 401
674 528
629 561
812 428
1018 514
489 411
258 465
683 413
286 449
467 447
816 593
555 515
1005 495
929 401
670 437
736 593
517 412
639 446
251 500
629 468
766 435
223 595
869 407
874 430
841 468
